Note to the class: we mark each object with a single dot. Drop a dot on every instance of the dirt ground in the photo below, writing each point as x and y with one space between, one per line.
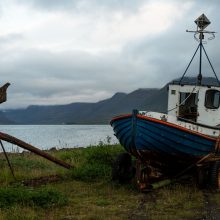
210 209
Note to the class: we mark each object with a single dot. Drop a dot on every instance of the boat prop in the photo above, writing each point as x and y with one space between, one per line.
26 146
22 144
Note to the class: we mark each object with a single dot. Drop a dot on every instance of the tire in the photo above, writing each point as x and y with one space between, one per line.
202 177
122 169
215 175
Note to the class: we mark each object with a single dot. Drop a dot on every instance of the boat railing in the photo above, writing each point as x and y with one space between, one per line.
197 123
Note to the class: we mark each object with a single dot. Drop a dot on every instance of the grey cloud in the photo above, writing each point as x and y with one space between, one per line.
39 76
170 52
10 38
84 4
42 74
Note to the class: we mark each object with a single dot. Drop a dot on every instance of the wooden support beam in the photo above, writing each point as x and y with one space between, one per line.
26 146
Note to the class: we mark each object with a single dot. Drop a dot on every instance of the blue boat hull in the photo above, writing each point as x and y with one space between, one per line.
159 141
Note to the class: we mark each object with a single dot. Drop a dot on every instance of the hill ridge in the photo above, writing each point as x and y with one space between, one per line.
101 112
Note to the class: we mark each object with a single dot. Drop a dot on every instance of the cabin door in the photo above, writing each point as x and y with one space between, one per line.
188 108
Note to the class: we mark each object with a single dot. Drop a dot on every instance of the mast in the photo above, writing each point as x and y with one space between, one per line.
202 22
199 77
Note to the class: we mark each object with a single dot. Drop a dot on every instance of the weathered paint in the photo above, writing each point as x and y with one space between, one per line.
205 115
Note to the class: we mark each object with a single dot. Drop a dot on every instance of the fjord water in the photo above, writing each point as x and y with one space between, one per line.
59 136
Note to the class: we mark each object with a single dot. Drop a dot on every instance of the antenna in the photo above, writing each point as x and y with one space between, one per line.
202 23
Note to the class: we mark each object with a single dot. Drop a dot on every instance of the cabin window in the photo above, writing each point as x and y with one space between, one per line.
188 105
173 92
212 99
189 99
183 97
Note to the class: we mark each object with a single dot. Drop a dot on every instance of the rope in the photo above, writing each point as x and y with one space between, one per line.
182 101
212 155
193 165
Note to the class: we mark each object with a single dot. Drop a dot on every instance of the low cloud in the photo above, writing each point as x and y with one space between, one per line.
67 53
57 5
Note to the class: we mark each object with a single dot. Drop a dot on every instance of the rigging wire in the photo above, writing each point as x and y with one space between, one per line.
183 100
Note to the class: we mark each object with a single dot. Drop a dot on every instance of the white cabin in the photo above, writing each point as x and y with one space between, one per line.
194 107
199 104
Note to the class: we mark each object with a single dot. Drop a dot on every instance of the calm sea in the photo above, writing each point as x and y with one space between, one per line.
59 136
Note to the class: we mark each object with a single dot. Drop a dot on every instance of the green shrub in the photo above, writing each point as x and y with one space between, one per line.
20 161
43 197
91 172
96 162
99 155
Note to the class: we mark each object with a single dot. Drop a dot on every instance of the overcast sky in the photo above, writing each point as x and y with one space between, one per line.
64 51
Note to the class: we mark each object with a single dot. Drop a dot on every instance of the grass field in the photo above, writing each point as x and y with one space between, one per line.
43 190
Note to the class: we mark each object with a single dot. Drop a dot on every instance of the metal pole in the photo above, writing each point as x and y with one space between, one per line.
6 156
210 64
200 59
189 64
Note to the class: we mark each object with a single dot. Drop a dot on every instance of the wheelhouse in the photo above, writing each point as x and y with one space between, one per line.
199 104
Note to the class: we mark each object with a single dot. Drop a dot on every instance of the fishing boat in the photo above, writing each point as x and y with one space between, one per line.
189 133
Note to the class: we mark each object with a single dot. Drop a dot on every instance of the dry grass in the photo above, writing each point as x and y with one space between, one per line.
97 198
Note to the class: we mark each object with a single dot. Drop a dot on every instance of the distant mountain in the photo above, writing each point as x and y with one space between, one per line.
94 113
4 120
89 113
